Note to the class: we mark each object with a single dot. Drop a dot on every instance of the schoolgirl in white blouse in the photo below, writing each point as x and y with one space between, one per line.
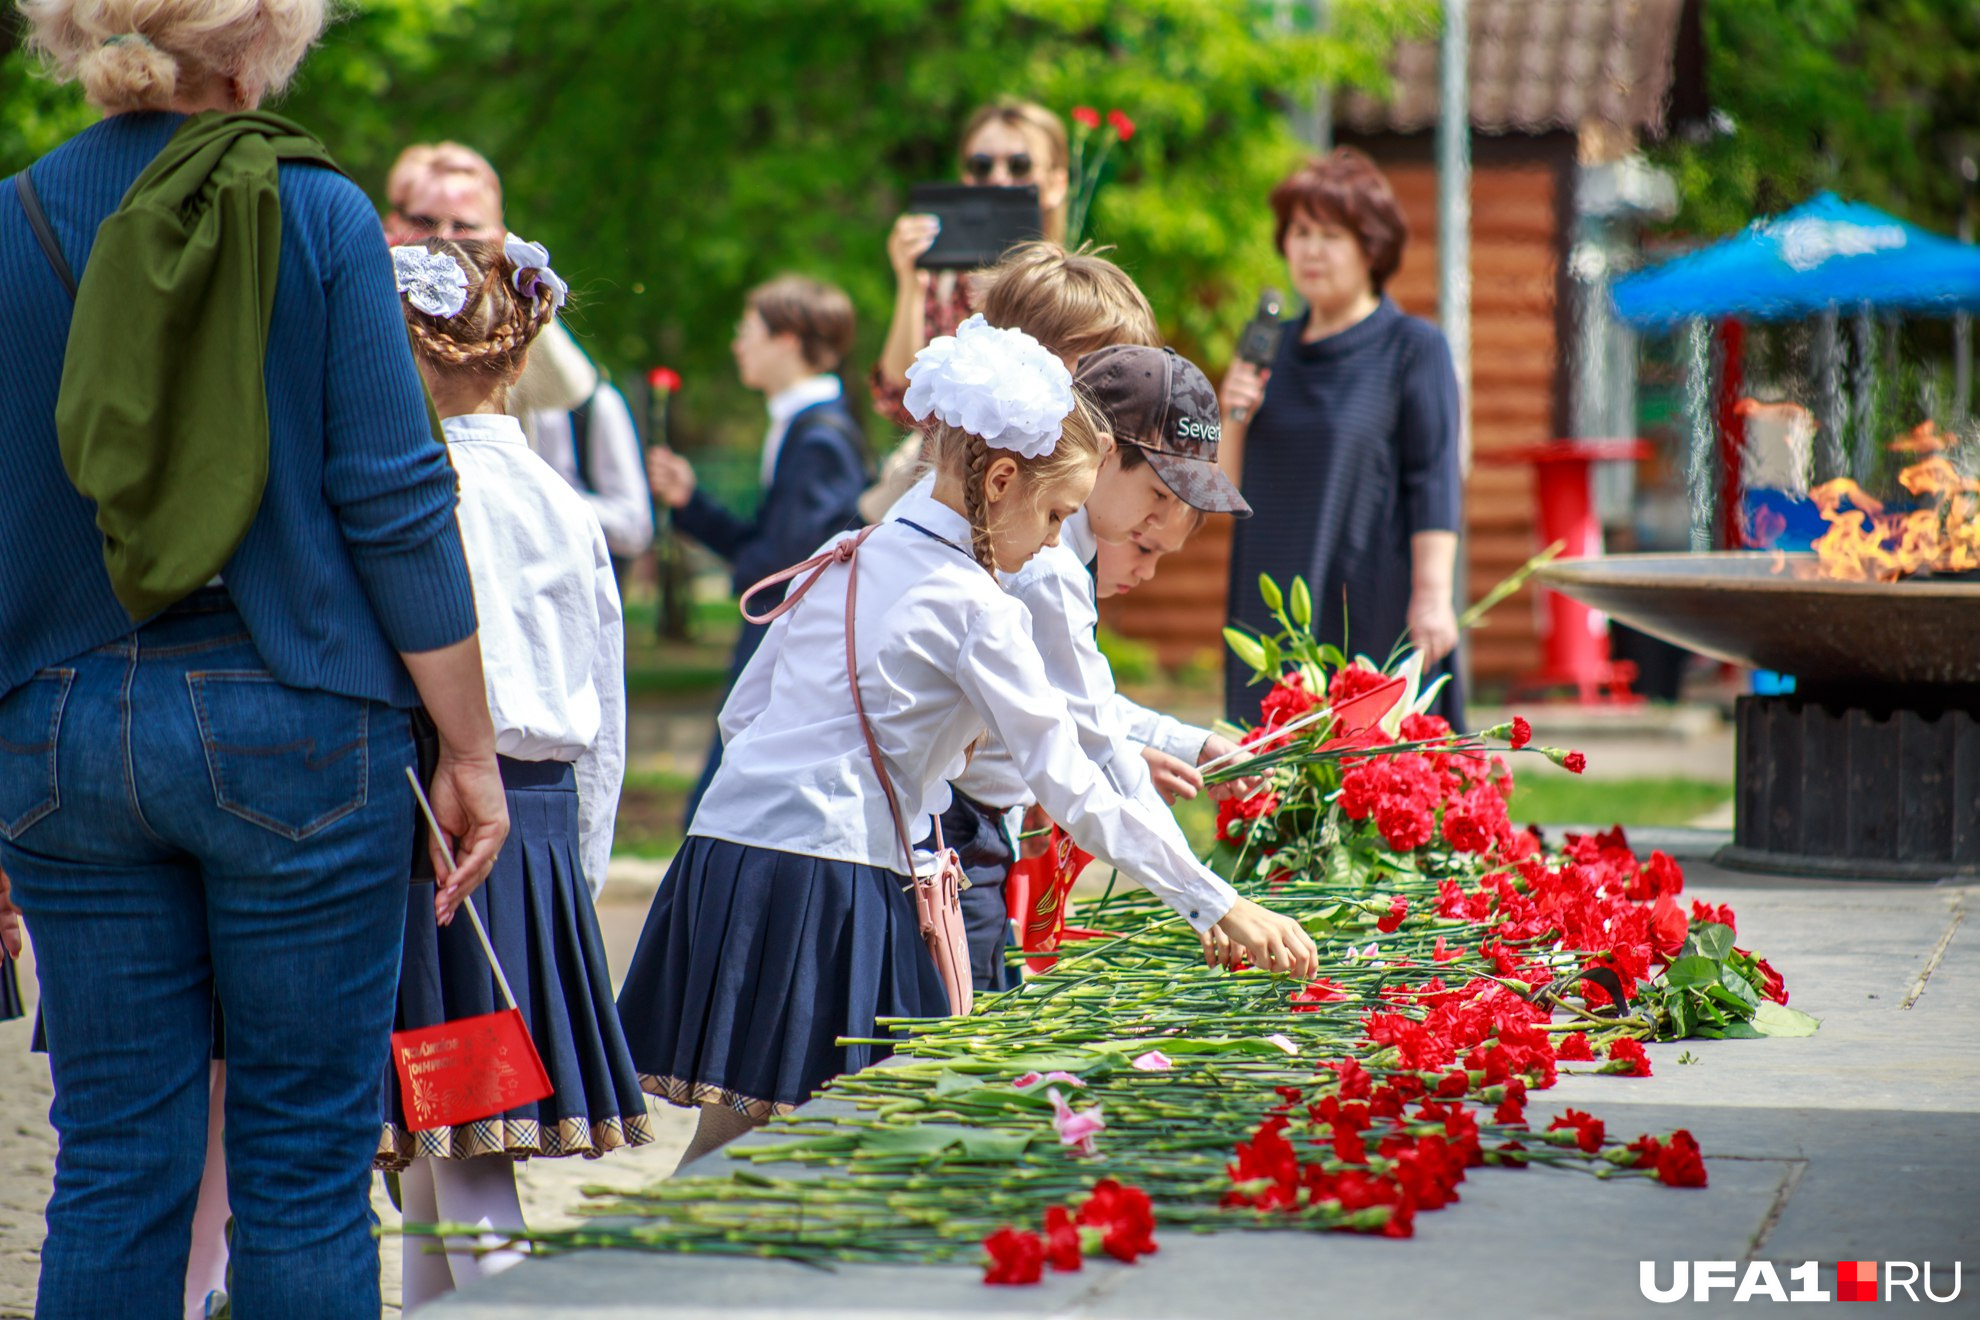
783 924
553 647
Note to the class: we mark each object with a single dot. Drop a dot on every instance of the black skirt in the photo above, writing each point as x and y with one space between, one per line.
754 963
539 915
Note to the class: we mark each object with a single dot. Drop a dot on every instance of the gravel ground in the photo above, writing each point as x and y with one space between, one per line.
551 1189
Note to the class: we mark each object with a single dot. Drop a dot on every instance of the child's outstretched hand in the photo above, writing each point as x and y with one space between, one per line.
1174 777
1219 748
1264 938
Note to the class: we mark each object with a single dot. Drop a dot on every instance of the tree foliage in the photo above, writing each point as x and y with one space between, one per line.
673 155
1861 96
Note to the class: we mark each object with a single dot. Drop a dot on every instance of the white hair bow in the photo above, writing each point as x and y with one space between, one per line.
1000 385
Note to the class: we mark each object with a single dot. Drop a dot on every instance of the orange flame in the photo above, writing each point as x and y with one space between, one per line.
1865 543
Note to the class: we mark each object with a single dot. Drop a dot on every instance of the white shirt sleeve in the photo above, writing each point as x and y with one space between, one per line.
1003 678
1165 733
601 767
620 496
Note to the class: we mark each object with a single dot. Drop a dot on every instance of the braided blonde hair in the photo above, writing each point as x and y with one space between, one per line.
488 340
1082 443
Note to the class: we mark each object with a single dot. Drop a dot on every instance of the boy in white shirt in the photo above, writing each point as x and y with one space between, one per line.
1166 426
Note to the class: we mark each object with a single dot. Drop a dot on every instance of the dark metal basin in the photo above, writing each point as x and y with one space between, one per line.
1737 607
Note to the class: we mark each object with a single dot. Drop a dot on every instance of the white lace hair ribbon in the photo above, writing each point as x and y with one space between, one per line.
532 263
431 281
1000 385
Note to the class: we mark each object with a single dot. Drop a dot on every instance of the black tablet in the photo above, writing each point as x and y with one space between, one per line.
979 224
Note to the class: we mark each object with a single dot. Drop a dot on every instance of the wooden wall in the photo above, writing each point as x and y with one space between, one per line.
1521 199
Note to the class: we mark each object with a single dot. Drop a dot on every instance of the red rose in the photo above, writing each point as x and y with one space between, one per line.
1668 926
1722 914
1086 117
1627 1051
1574 1049
1522 733
1398 909
1588 1130
1774 985
1062 1247
1014 1257
1123 126
1680 1163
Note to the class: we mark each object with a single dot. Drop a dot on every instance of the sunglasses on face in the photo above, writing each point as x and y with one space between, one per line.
982 165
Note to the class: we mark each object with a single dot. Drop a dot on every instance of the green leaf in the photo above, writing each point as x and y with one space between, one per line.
1302 604
1688 972
912 1139
1711 939
1739 1031
1275 600
951 1082
1246 648
991 1144
1772 1019
1275 659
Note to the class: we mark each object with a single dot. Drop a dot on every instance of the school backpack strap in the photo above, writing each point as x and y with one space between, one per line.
44 233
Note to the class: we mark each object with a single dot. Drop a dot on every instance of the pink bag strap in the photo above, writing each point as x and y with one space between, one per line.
842 552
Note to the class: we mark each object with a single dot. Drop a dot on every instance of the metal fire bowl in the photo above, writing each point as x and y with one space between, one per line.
1735 606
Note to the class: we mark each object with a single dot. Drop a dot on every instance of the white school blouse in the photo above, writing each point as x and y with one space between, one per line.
943 653
552 636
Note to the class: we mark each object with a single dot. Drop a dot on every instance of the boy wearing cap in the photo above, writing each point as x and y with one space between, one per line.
1166 426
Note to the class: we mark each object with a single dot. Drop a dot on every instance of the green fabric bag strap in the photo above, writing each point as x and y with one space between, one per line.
163 413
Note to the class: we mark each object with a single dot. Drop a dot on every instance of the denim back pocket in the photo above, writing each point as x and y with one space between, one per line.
291 760
30 724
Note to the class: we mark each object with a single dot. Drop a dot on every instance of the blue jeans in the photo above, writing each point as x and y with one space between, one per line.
183 830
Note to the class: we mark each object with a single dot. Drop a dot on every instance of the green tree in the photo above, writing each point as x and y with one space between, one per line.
672 155
1861 96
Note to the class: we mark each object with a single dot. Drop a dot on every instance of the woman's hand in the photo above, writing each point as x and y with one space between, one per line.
10 918
469 803
1267 940
1433 626
912 235
1244 390
1174 777
670 476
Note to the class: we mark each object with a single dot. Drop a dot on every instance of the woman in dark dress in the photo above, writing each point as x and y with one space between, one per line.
1347 447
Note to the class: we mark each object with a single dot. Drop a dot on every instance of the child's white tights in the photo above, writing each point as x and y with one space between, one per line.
480 1192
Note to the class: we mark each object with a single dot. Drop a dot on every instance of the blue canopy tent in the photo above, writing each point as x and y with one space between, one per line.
1824 256
1824 253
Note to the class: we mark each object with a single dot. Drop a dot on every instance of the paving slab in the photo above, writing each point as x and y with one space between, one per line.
1861 1142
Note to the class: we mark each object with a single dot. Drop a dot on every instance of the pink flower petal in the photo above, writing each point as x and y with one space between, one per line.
1028 1080
1153 1061
1076 1129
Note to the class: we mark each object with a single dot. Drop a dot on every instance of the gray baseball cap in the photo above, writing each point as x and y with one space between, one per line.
1159 400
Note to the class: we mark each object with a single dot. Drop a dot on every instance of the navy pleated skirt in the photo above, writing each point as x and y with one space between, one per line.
540 919
754 963
10 990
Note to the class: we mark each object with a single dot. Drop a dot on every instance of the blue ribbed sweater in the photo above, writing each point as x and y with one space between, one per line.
354 555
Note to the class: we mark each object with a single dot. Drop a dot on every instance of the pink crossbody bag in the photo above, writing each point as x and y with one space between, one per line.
937 897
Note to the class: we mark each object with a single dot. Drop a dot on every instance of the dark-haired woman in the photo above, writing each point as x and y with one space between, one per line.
1347 447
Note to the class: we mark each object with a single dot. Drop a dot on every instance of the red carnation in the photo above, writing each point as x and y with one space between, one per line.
1123 126
664 380
1588 1130
1680 1163
1351 682
1062 1248
1630 1052
1574 1049
1086 116
1014 1257
1405 825
1574 762
1125 1217
1315 993
1398 909
1522 733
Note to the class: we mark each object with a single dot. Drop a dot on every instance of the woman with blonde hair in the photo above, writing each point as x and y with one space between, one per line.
234 569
